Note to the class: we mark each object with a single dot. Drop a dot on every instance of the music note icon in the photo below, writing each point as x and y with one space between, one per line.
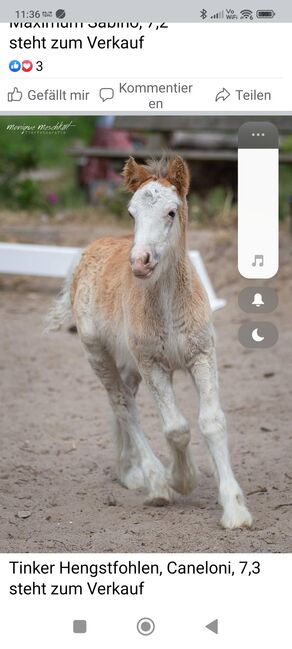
258 260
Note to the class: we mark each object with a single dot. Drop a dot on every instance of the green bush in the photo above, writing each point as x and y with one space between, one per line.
21 153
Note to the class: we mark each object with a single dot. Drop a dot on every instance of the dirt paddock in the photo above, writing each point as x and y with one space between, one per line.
58 485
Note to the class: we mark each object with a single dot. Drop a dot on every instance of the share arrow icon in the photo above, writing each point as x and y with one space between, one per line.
213 626
223 94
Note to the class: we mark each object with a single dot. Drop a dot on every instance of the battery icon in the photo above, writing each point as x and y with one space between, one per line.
265 13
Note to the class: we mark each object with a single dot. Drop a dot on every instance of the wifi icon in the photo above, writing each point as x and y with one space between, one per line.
246 14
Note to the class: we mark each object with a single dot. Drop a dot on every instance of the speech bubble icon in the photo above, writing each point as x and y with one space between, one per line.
106 93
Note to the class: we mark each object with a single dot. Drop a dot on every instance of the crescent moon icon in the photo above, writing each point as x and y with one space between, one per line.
256 337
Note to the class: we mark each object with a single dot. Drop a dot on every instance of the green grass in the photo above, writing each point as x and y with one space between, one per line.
24 152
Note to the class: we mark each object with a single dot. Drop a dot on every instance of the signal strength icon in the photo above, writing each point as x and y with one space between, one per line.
247 14
218 16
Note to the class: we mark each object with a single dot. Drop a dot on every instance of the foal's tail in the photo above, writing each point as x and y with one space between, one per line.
60 313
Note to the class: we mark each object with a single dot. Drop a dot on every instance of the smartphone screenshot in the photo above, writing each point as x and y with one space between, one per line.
145 285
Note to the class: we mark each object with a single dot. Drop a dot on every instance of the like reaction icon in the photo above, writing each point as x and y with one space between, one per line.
15 95
14 66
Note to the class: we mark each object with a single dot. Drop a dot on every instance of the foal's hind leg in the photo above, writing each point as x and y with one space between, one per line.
123 404
128 460
182 472
213 427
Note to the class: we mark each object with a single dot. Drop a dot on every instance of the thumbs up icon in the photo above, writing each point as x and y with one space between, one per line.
15 95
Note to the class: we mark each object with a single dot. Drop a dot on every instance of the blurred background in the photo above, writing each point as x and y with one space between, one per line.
59 169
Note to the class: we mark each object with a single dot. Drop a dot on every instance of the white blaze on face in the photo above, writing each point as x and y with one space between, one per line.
154 209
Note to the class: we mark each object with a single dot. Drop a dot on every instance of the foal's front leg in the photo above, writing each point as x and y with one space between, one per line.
122 399
182 473
213 427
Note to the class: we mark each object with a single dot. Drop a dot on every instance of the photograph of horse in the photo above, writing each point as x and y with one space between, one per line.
142 312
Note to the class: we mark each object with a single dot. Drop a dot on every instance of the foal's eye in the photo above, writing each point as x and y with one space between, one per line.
171 214
130 214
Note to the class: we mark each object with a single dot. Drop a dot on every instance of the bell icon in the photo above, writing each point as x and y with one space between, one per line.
258 300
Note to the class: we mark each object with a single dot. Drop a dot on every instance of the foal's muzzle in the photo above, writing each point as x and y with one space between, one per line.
142 264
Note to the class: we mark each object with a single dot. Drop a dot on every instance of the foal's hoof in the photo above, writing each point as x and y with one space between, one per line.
237 517
133 478
183 485
159 499
182 482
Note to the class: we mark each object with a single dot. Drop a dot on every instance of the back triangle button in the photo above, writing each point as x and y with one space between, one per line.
213 626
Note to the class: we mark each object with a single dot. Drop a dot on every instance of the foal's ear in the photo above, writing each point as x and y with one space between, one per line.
178 175
134 175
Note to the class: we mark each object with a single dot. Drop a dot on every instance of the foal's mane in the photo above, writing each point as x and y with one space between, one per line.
170 168
159 168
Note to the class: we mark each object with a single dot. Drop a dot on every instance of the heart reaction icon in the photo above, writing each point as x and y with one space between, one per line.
27 66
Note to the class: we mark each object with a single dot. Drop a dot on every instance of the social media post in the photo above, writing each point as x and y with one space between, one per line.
145 381
105 66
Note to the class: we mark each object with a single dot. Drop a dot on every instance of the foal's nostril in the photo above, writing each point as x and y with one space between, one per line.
146 258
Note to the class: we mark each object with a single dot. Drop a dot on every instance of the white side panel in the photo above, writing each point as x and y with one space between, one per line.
258 213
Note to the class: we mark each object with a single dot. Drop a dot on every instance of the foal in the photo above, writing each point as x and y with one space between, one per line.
142 312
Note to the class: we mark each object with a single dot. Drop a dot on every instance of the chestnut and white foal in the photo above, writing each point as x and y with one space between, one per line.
142 312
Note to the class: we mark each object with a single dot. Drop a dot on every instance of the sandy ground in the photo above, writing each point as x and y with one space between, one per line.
59 490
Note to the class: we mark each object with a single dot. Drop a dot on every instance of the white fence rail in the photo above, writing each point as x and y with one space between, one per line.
56 261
